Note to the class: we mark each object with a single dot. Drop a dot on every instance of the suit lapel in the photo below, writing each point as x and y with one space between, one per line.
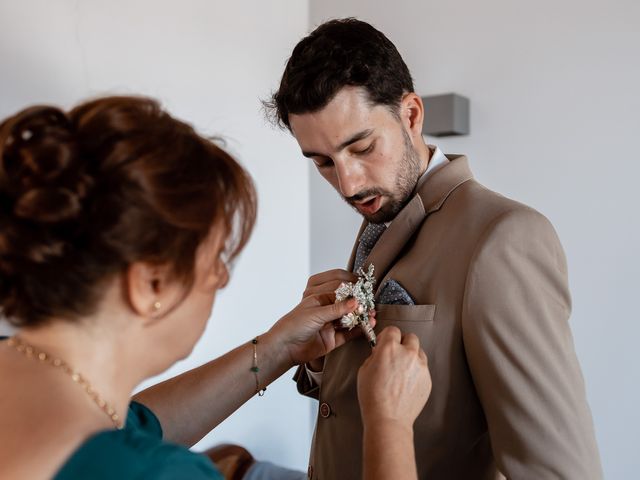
438 186
395 237
429 198
352 258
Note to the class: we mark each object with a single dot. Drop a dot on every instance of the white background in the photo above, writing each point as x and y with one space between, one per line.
554 118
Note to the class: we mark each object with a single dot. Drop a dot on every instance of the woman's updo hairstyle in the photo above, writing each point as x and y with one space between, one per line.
117 180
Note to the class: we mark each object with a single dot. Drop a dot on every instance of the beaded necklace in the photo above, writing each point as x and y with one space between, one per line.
43 357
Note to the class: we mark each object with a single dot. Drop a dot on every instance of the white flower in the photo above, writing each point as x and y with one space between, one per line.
362 291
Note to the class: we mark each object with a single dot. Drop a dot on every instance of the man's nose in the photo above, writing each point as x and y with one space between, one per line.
350 178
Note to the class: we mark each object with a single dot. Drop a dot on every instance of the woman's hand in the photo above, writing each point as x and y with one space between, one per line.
327 282
307 331
394 382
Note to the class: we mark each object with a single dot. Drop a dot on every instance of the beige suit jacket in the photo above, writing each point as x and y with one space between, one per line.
489 279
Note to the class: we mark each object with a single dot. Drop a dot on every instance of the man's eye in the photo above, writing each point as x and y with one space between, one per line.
323 162
369 149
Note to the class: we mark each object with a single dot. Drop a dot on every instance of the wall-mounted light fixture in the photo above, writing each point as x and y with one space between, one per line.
445 115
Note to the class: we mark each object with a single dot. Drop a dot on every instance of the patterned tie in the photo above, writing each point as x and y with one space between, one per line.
368 239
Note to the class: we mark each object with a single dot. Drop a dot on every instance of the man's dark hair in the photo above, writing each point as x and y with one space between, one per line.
339 53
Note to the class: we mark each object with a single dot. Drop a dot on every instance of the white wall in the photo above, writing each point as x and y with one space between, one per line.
554 88
209 62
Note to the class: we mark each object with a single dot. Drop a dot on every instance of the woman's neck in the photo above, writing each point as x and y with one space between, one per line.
98 354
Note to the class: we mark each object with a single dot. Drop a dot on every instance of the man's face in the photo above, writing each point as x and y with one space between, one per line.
363 151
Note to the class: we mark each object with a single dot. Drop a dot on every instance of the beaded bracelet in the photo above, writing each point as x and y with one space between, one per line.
255 369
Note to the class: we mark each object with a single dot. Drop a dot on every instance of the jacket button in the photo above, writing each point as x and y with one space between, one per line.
325 410
310 472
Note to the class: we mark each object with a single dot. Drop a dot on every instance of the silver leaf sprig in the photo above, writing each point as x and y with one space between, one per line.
362 291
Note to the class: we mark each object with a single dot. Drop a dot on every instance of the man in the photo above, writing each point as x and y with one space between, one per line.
481 279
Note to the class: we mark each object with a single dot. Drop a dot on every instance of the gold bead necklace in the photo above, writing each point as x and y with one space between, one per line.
43 357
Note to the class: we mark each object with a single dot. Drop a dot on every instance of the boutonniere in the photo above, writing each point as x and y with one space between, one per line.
362 291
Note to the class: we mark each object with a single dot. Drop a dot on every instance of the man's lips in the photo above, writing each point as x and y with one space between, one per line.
369 206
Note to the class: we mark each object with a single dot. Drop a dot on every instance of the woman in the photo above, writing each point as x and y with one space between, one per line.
117 224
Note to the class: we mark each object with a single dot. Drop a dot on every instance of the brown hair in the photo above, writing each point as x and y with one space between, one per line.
339 53
114 181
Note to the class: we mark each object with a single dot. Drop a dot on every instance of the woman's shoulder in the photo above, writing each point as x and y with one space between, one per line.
135 452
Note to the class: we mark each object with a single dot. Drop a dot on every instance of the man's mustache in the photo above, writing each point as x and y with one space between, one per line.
358 197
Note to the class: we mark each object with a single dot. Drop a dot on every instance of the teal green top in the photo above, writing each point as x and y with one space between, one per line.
136 452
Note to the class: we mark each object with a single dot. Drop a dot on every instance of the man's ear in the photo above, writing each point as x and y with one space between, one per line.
412 114
148 289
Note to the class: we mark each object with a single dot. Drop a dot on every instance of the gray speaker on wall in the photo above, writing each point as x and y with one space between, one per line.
445 115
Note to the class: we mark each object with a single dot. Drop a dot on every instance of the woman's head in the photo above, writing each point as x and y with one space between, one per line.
117 181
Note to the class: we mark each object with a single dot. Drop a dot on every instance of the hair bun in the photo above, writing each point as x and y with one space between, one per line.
41 172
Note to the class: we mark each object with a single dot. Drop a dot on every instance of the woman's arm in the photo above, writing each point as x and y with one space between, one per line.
393 387
190 405
389 452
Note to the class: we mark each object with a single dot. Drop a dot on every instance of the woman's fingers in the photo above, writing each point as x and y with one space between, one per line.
325 310
336 275
333 311
327 287
390 334
345 335
411 341
423 356
319 299
327 282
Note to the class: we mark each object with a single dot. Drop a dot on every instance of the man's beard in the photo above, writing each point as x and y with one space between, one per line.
406 180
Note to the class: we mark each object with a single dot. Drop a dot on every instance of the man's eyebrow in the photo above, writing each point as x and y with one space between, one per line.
353 139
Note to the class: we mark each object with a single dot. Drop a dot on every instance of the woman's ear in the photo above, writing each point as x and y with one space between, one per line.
148 289
412 114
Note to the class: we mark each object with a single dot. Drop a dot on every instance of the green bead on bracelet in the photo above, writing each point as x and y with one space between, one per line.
255 369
